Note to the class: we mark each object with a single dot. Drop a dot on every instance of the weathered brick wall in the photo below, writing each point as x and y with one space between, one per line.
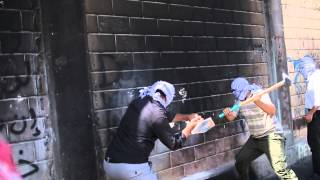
302 36
198 45
23 101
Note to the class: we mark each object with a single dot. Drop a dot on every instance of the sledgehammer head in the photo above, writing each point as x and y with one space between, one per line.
286 79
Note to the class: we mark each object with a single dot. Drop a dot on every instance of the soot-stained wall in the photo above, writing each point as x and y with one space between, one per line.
198 45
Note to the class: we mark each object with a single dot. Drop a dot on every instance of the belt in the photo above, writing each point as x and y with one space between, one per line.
266 136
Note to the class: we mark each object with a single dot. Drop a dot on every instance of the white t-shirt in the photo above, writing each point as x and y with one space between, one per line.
312 96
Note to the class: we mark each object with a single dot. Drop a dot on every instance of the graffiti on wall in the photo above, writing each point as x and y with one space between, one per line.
34 167
183 93
30 130
13 84
13 129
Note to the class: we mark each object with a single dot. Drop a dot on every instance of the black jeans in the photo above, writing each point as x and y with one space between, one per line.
314 141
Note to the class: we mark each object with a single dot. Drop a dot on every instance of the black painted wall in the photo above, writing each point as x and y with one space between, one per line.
24 114
45 107
198 45
71 67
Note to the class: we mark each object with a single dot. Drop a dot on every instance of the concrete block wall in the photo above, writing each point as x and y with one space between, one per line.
23 102
301 23
198 45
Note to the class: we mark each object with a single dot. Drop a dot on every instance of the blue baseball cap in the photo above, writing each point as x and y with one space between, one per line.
239 88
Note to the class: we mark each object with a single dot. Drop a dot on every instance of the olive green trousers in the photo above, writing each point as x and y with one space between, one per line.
271 145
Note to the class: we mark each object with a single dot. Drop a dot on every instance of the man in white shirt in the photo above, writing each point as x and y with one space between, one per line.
306 66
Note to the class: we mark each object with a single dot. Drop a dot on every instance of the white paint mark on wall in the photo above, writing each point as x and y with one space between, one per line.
131 94
19 98
183 93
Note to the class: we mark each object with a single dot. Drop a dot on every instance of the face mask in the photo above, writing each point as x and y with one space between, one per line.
167 88
305 66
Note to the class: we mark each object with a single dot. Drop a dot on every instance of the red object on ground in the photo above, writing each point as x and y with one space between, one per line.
8 169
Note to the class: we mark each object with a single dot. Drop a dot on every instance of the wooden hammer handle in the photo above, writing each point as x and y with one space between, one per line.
265 91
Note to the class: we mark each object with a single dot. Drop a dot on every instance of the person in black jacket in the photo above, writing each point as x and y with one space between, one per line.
145 121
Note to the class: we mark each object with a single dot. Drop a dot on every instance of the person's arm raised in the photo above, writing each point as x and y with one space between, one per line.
265 104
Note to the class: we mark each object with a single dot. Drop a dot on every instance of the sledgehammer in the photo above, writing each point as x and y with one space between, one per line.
286 81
